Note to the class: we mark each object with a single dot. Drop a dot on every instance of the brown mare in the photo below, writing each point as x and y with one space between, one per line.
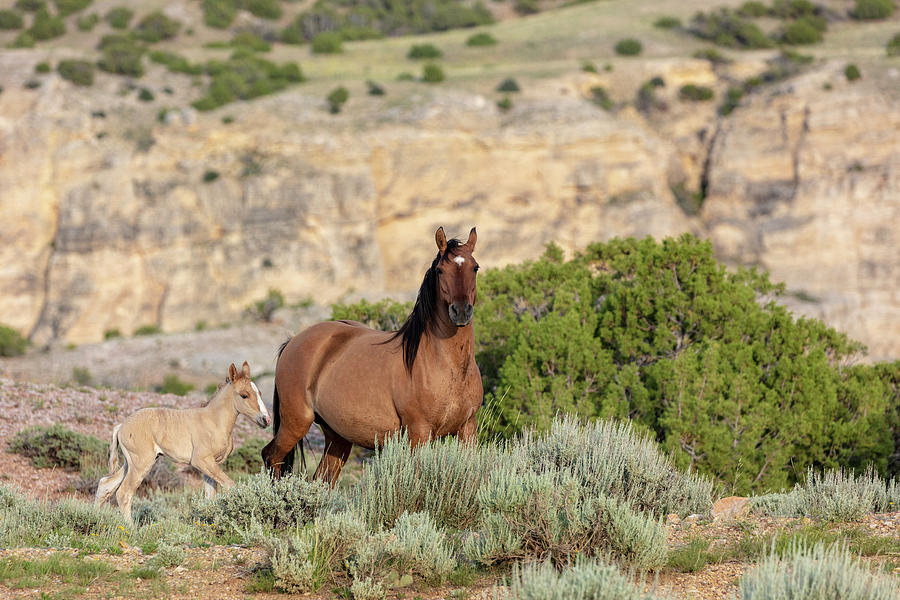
360 385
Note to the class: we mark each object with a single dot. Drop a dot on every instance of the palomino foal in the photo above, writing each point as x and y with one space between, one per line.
198 436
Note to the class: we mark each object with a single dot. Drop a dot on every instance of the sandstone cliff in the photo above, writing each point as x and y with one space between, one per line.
115 220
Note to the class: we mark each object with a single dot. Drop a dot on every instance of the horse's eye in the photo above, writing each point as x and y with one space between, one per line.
476 268
244 396
439 271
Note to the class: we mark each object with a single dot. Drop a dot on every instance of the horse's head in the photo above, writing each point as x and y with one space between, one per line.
245 395
455 268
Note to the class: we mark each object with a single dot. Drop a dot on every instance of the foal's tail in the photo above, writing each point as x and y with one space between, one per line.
114 449
107 486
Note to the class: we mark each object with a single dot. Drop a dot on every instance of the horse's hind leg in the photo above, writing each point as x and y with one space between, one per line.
291 429
337 451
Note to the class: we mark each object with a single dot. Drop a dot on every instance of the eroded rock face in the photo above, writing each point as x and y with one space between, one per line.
806 185
119 221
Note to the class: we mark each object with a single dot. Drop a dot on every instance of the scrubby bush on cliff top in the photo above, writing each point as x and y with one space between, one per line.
727 28
243 77
361 21
873 9
156 27
10 19
703 358
11 342
79 72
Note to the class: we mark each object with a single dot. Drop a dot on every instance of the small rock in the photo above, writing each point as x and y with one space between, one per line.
692 518
673 519
730 508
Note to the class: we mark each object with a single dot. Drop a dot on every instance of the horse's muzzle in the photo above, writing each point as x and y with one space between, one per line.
461 314
262 420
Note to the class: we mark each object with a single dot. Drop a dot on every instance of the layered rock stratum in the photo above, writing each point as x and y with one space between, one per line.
113 219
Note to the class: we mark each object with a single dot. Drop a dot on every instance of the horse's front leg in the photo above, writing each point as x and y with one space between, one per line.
337 451
211 469
467 433
419 432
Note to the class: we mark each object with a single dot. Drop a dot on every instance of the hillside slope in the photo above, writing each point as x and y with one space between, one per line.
121 212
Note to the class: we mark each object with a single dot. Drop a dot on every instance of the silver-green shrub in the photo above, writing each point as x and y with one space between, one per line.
291 565
342 530
367 589
368 558
785 504
81 518
552 515
840 496
281 504
585 580
441 477
311 555
158 508
635 537
817 573
417 545
18 519
610 458
835 495
10 497
167 555
891 500
26 522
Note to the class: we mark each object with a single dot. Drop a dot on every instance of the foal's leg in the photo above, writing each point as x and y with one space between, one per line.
337 451
106 487
138 467
209 485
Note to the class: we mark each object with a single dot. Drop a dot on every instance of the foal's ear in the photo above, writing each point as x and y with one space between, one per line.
473 237
246 370
232 372
441 240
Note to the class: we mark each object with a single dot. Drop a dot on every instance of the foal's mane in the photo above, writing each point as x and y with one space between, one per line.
424 312
216 393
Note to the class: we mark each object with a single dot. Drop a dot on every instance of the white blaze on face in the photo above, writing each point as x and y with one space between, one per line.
262 407
459 260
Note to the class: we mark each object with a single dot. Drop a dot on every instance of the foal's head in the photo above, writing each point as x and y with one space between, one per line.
455 269
245 395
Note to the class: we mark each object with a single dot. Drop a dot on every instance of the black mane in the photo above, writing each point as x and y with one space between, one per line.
424 312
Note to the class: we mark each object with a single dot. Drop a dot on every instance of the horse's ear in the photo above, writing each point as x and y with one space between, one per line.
232 372
441 240
246 370
473 237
